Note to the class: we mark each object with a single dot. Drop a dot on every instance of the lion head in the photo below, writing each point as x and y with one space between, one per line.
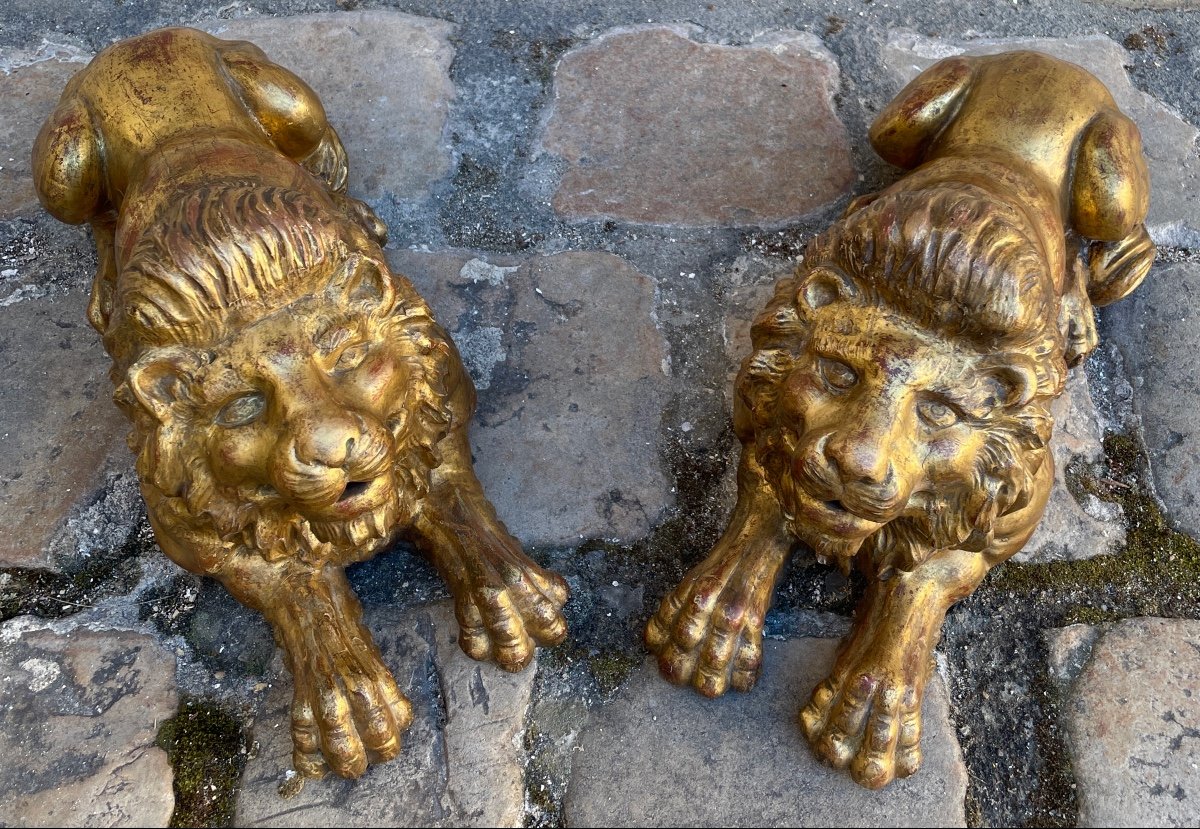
898 393
287 391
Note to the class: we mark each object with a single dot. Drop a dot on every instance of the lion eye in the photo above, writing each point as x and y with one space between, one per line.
242 411
837 375
937 415
351 358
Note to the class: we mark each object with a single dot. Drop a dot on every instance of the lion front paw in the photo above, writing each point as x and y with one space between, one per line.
866 718
708 632
506 622
347 710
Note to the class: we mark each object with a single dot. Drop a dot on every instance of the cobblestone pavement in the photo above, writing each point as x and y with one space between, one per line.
596 198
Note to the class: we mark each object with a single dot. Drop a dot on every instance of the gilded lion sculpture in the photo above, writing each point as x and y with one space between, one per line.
295 407
895 411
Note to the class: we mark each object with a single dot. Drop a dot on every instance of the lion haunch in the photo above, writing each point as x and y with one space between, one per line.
295 407
895 411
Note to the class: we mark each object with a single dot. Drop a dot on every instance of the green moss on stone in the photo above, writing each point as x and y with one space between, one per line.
610 669
207 747
1158 571
1090 616
52 595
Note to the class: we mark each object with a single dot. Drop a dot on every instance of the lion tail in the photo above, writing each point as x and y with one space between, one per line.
1114 269
1105 272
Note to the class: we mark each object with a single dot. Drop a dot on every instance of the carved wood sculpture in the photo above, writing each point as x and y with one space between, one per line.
295 407
895 411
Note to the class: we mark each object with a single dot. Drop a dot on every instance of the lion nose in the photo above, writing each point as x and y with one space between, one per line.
862 455
328 441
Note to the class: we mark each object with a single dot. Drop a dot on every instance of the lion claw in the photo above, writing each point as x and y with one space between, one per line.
509 623
708 633
344 719
868 721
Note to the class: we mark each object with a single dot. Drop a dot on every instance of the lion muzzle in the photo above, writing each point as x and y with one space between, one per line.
325 462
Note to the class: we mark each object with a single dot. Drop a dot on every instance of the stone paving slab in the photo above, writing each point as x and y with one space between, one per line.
1133 720
1170 142
77 728
659 755
59 428
461 763
656 127
383 77
1070 530
384 80
1158 332
572 374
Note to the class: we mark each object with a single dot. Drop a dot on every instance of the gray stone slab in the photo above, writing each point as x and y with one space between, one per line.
59 429
1070 530
1133 720
1149 4
461 763
77 728
656 127
1158 332
659 755
573 378
384 80
1170 142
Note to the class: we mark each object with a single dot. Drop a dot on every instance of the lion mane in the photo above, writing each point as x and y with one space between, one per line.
964 268
195 278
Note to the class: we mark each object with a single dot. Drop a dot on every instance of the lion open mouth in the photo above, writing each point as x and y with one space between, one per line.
369 526
365 511
357 497
353 490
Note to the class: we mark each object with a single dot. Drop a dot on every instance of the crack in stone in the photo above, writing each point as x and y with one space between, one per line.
437 703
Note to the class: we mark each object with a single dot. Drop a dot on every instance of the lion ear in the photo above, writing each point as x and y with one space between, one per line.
822 286
1015 378
160 379
363 283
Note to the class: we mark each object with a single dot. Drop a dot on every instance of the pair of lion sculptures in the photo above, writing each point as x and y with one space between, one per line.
296 408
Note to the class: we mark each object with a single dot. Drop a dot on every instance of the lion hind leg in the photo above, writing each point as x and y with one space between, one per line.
100 304
1110 196
69 175
289 112
68 164
906 128
293 117
1110 185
